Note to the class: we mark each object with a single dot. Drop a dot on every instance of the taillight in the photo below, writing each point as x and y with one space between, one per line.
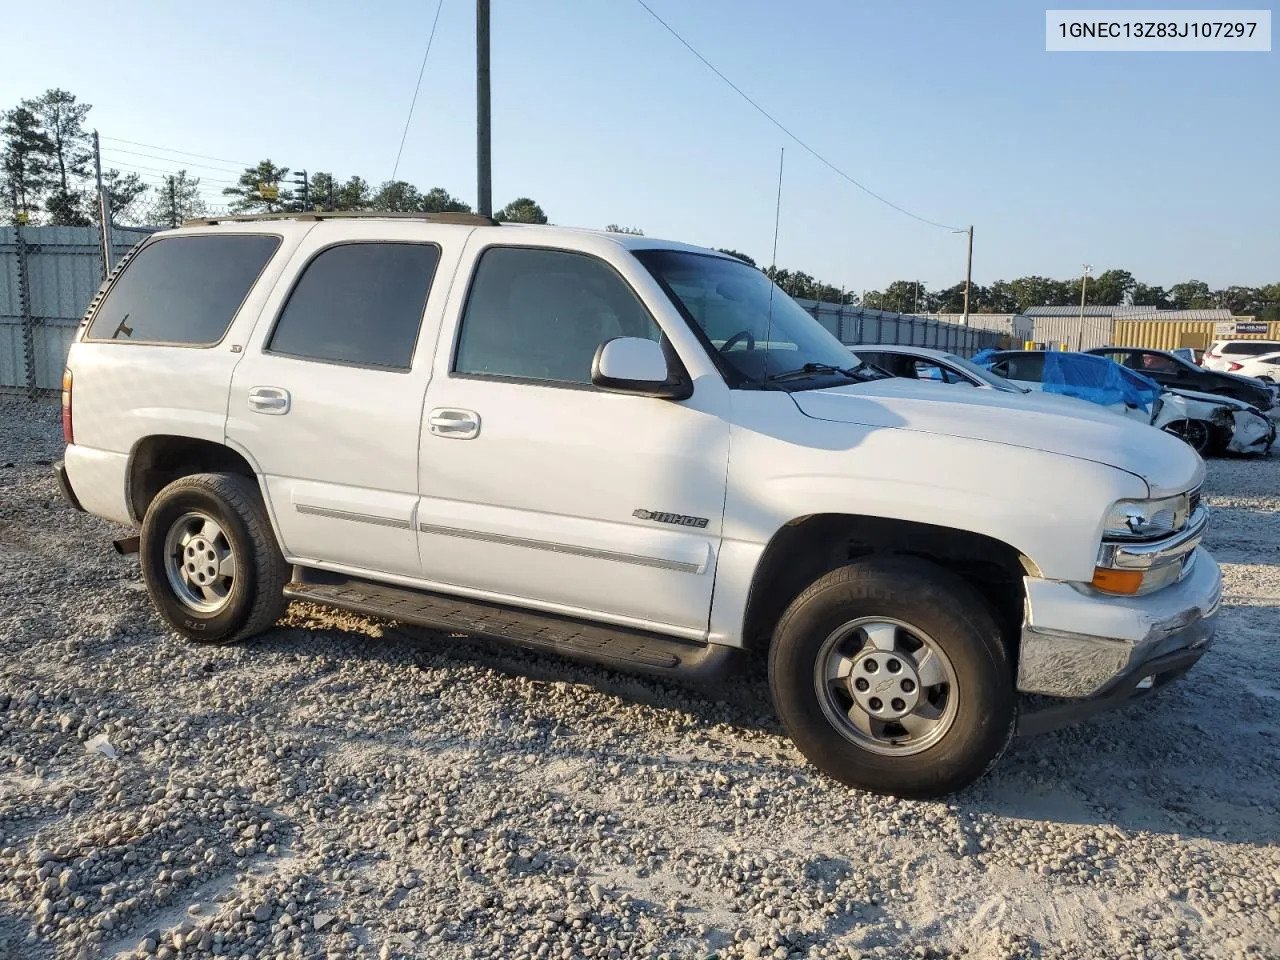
68 434
1232 366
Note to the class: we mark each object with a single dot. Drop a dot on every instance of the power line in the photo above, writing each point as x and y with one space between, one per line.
421 70
128 166
185 153
153 156
777 123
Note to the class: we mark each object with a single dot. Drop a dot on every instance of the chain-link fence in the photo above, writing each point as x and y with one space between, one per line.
48 275
859 325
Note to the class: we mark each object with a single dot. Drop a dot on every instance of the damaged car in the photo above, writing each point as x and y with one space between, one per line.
1210 423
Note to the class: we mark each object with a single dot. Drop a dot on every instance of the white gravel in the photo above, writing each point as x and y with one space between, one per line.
344 788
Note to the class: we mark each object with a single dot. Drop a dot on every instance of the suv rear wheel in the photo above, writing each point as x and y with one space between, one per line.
890 675
210 559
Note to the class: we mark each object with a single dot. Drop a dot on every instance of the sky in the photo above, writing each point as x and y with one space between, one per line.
1165 164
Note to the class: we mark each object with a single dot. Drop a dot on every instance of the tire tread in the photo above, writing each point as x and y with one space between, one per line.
270 571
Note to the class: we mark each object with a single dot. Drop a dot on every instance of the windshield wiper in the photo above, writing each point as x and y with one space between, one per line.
811 368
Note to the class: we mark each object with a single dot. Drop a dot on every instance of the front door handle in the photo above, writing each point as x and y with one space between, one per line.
453 423
269 400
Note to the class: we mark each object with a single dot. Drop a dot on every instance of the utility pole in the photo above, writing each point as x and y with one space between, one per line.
173 203
968 272
484 172
1084 285
104 209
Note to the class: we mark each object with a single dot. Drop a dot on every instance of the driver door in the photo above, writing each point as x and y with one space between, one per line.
541 490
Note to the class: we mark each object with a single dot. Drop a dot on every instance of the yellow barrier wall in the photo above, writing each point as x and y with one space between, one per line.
1167 334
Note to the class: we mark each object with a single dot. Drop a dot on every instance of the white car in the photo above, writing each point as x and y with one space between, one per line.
1209 423
1248 358
633 452
1264 366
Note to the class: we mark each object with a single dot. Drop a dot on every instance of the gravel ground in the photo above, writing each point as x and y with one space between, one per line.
347 788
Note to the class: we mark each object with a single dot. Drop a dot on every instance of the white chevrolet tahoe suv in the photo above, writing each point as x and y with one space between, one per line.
635 453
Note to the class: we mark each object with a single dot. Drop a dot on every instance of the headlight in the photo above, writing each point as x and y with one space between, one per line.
1147 519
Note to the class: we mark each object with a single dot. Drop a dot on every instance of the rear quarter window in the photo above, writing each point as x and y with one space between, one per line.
182 290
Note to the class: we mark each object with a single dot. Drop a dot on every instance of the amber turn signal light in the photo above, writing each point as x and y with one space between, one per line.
1117 581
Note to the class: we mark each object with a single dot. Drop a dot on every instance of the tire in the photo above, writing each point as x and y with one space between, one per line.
916 599
205 518
1197 434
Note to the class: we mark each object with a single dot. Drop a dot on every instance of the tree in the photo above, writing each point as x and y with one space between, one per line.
734 253
1109 288
26 164
1190 295
124 193
352 195
248 197
907 296
440 200
1150 296
521 210
1027 292
321 187
62 120
618 228
328 193
68 208
187 203
397 196
1242 301
1269 295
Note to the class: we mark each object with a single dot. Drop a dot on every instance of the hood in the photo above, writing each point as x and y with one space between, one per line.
1036 421
1213 398
1240 380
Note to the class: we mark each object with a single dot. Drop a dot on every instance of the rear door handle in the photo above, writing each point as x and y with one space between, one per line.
269 400
453 423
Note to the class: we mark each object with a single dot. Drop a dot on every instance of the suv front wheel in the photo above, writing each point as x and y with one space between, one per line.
890 674
210 559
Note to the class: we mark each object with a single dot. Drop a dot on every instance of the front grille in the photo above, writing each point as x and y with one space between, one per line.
1195 498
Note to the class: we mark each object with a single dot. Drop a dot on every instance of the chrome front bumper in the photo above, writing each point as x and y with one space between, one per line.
1078 643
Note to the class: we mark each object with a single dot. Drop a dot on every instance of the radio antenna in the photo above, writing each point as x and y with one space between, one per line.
773 270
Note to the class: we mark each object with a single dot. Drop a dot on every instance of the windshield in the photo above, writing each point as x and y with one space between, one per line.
755 340
983 374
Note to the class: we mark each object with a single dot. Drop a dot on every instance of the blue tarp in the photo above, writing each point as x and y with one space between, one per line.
1088 376
1097 379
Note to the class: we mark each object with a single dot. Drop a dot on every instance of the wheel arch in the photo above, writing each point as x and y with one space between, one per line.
808 547
157 460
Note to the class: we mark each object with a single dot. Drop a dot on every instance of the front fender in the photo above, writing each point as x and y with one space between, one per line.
1048 507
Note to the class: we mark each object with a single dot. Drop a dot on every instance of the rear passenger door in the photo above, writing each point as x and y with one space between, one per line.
327 399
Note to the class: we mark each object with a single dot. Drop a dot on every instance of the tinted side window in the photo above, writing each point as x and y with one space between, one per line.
182 290
541 315
358 303
1027 366
1252 348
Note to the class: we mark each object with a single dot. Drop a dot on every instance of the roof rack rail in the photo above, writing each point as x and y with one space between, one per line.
466 219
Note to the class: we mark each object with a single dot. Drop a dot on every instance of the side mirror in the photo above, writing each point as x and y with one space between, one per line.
639 367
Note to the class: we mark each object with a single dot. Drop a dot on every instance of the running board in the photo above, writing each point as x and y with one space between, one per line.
620 648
